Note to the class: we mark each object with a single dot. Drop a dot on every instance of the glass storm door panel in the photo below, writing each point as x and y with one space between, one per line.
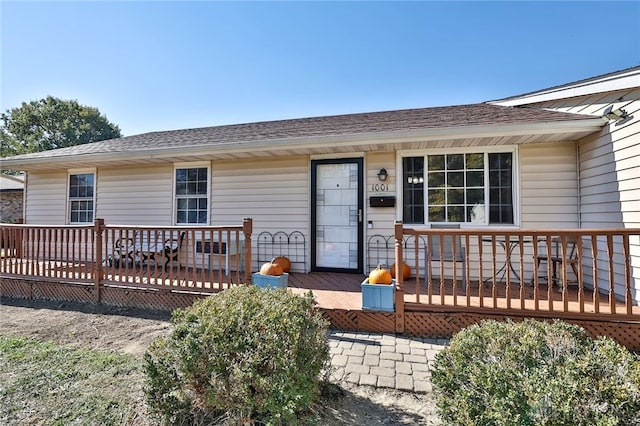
337 215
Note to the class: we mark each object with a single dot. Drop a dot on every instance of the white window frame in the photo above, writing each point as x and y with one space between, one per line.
513 149
75 172
193 165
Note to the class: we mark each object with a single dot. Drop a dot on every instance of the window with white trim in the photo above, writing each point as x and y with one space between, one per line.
81 189
191 192
475 187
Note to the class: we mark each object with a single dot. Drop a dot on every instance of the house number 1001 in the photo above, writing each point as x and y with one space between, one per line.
380 187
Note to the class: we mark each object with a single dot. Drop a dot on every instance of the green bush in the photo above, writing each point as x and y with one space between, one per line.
244 355
535 373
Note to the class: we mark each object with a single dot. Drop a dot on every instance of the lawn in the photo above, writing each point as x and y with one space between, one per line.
47 383
90 371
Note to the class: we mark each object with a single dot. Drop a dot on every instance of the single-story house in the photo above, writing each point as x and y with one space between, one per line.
566 157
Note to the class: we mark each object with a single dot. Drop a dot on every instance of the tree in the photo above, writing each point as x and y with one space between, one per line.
52 123
8 144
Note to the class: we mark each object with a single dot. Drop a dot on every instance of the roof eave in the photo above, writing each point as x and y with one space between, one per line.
432 134
624 80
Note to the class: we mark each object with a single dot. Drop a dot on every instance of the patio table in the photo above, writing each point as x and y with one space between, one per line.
508 245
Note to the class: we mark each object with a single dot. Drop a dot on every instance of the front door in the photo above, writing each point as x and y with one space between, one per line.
336 215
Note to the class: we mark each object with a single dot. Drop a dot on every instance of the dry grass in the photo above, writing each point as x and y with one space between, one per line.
47 383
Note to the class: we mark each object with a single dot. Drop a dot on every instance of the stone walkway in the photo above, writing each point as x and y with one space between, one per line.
383 360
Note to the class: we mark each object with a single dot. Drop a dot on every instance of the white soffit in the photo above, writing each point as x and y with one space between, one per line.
609 83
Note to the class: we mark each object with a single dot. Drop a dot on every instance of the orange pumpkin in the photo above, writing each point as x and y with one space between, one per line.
270 268
380 276
284 262
406 271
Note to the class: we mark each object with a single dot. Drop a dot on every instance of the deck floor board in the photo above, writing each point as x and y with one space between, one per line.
342 291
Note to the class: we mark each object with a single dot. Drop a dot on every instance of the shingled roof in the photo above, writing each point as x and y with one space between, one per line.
386 122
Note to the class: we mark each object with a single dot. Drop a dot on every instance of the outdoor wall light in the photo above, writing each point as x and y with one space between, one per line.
617 114
382 175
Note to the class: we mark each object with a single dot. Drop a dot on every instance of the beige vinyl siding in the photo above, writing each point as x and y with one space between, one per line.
610 194
274 192
135 195
548 186
46 198
46 204
382 218
610 173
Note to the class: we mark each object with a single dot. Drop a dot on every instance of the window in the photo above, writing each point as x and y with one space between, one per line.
456 188
192 195
81 197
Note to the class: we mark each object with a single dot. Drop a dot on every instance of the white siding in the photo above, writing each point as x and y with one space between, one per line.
135 195
274 192
610 171
548 186
46 198
382 218
130 196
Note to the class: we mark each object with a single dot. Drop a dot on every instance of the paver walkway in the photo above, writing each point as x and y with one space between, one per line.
384 360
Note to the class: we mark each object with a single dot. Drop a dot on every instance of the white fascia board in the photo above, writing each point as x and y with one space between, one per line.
446 133
611 83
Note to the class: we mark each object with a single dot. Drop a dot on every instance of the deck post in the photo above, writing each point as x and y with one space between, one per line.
18 243
98 272
247 228
399 296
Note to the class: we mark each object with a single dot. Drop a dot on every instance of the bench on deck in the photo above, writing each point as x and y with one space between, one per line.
148 246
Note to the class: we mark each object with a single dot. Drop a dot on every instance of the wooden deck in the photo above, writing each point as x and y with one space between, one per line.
330 290
342 291
34 264
339 296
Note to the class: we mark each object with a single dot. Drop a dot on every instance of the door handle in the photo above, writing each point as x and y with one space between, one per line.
359 215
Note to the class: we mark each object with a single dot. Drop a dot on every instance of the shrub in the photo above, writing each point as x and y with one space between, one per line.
244 355
535 373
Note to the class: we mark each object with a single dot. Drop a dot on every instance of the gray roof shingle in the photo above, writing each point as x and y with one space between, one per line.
336 125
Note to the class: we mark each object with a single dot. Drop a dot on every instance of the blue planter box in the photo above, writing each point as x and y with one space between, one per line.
378 297
272 281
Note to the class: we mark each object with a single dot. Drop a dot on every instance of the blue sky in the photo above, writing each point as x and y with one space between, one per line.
171 65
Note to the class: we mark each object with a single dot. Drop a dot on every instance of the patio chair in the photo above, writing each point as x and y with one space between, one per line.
556 257
448 253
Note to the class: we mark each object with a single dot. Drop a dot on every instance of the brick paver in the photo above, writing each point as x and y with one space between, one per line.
383 360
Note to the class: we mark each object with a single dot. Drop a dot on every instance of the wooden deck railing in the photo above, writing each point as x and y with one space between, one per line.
583 271
47 251
204 259
586 272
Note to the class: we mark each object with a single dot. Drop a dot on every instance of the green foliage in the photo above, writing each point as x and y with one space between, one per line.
536 373
8 144
46 383
52 123
246 354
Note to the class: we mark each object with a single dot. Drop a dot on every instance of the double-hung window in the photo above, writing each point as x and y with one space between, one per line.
474 187
191 192
81 189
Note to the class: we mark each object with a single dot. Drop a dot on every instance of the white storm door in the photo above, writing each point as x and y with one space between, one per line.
337 215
